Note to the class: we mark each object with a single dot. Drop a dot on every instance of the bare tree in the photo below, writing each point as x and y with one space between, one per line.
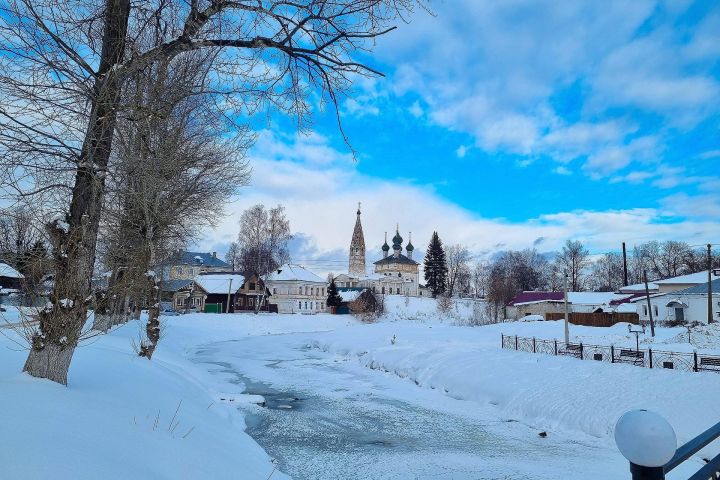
232 257
65 65
458 267
607 273
171 178
263 241
574 259
480 274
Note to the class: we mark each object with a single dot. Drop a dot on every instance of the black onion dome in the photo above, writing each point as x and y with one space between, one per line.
397 240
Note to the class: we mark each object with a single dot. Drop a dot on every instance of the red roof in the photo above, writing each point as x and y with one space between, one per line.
527 297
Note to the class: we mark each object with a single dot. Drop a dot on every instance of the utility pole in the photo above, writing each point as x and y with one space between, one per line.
565 297
625 280
227 310
709 266
647 297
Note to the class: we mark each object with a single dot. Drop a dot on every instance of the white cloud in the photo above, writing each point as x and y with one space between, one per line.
502 87
321 200
560 170
461 151
416 110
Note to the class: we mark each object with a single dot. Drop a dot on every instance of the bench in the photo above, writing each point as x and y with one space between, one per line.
711 364
572 349
634 357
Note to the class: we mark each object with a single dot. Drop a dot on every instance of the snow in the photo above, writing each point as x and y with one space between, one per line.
220 283
7 271
289 272
639 287
531 318
699 277
349 295
117 409
594 298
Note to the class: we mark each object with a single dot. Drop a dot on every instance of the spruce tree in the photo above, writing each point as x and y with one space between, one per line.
334 299
435 266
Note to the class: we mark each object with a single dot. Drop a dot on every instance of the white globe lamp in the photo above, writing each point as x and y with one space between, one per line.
645 438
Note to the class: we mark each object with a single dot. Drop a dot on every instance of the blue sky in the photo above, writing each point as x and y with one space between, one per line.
507 124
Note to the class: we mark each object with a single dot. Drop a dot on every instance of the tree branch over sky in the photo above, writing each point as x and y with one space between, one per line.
65 65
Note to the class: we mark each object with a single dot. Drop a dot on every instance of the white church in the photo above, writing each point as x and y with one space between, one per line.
393 274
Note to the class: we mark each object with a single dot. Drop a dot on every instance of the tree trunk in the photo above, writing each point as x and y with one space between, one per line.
51 362
74 244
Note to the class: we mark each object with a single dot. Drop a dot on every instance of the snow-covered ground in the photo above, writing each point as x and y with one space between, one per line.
416 373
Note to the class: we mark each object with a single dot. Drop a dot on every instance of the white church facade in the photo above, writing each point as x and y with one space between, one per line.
393 274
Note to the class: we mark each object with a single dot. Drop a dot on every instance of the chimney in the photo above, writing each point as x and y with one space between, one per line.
214 254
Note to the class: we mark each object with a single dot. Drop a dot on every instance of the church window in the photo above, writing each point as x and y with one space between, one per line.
300 305
383 290
398 291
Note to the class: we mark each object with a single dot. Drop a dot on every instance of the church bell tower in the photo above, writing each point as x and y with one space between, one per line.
356 266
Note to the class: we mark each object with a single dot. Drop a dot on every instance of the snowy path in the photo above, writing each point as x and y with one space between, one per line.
329 418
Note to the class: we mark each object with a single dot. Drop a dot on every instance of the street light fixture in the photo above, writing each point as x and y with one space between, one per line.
647 440
637 333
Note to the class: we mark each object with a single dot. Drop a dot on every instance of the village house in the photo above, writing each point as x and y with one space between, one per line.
220 293
10 279
294 289
185 265
549 304
686 305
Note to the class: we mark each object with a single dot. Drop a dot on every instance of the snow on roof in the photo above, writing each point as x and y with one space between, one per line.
349 295
525 298
373 276
576 298
699 277
197 258
7 271
595 298
638 287
224 283
294 273
626 308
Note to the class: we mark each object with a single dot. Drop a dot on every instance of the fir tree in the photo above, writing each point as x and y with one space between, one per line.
435 266
334 299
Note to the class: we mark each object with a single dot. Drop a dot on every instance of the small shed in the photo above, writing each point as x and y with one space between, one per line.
10 279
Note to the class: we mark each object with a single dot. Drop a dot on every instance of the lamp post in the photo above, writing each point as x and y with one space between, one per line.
647 441
637 335
565 298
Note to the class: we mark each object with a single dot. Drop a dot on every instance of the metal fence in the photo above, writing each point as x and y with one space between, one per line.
648 358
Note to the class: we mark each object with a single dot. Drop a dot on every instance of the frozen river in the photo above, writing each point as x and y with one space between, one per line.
329 418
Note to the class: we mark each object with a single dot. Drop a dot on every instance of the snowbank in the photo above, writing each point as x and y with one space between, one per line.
115 419
547 392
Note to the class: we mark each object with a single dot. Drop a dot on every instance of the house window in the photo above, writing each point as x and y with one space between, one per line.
300 305
179 270
383 290
398 291
251 301
645 311
252 286
305 305
274 290
655 310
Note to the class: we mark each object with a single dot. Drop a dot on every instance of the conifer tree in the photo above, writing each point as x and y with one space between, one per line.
334 299
435 266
